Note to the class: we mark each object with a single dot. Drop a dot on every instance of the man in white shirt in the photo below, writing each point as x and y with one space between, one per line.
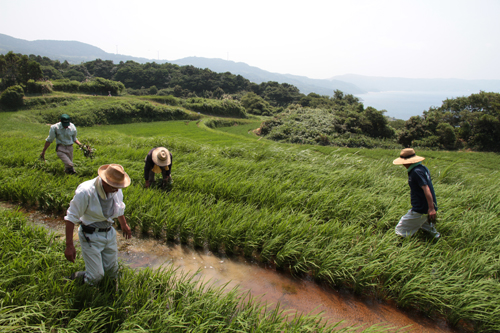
95 204
64 132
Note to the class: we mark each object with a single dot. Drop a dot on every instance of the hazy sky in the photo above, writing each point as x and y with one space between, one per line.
314 38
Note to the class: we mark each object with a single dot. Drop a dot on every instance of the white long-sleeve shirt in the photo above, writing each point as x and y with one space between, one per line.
85 206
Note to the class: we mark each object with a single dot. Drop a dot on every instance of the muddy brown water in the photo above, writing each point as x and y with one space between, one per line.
265 284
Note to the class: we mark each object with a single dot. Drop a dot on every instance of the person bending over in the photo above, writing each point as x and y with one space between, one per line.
158 160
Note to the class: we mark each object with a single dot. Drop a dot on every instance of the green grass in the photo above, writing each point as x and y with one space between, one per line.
244 130
321 211
35 298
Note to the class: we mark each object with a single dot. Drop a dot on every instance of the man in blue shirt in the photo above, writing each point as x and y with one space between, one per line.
64 132
422 215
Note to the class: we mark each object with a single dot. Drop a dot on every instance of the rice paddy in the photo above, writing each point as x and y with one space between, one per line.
328 213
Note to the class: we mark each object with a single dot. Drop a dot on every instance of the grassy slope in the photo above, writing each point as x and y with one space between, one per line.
34 299
324 211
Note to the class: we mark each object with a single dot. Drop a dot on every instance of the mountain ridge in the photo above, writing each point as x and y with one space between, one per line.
76 52
257 75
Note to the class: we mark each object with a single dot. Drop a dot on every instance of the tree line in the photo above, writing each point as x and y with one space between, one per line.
464 122
471 122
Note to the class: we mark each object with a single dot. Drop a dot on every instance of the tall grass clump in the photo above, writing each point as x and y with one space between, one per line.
318 211
34 296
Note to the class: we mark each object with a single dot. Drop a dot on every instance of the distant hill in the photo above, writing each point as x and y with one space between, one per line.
257 75
72 51
77 52
379 84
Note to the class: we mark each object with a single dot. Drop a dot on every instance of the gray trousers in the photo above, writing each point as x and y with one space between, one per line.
100 255
65 153
411 222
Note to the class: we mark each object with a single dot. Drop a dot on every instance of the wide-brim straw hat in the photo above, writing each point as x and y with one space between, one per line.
114 175
408 156
161 156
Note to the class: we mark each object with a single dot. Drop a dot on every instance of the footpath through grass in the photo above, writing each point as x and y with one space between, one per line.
322 211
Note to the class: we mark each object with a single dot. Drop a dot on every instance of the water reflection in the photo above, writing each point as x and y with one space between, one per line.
300 295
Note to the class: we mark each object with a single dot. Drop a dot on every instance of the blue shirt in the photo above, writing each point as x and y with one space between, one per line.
420 176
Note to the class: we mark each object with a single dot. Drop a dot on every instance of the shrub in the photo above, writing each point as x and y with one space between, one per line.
49 72
118 112
255 104
39 87
446 134
485 134
430 141
102 86
168 100
134 92
217 123
225 108
165 92
66 85
153 90
12 97
74 75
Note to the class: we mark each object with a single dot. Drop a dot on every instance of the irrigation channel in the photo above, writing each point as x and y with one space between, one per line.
264 283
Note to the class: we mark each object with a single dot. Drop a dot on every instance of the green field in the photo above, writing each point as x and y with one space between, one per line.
320 211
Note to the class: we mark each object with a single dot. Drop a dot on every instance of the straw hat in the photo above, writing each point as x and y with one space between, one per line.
161 156
114 175
408 156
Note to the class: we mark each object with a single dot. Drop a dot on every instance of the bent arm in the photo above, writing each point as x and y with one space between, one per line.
148 165
430 203
169 171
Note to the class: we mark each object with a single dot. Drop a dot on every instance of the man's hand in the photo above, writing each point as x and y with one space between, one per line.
45 147
432 215
147 184
127 232
70 252
432 210
166 181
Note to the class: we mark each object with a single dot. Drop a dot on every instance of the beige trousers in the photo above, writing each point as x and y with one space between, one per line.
65 153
